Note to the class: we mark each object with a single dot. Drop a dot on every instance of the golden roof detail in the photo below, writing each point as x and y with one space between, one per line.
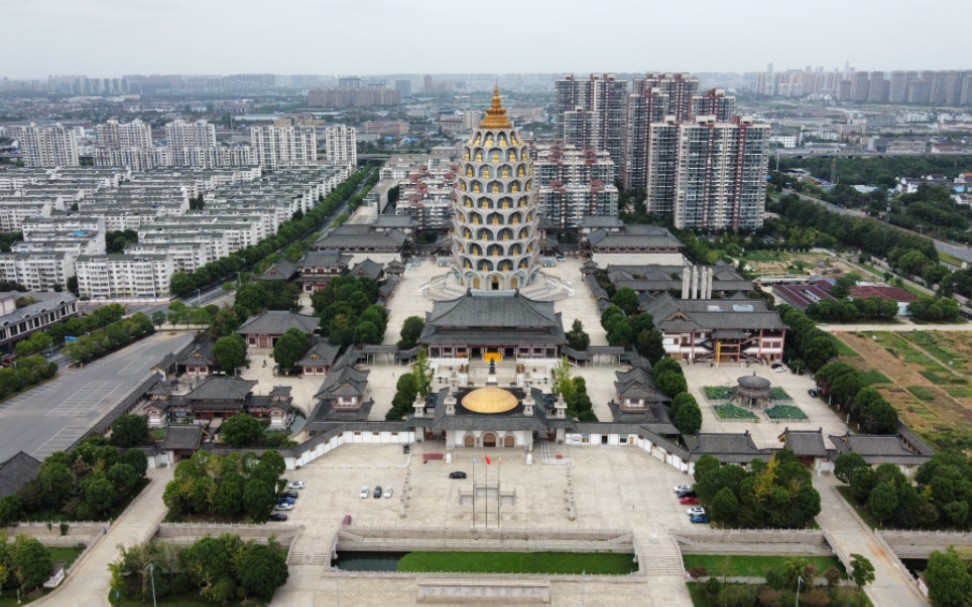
490 401
496 114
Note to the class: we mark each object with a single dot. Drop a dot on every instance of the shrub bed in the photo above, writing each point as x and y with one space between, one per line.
732 412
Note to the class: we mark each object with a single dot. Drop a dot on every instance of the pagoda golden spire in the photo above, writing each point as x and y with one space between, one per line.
496 114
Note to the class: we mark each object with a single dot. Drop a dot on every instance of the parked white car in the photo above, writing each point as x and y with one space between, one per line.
365 492
696 511
296 485
388 492
286 507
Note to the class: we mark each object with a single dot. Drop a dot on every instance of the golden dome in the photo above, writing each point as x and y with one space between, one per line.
496 115
490 400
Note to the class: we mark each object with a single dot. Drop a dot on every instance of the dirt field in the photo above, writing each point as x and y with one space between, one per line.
929 380
773 263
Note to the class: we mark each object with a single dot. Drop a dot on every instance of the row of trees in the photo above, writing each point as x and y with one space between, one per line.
231 487
259 296
848 389
28 372
938 309
805 343
410 385
670 381
245 431
349 314
84 484
574 392
104 341
948 576
941 495
778 493
40 341
184 283
219 569
853 310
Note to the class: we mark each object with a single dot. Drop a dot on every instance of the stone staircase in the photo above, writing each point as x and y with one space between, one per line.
660 557
311 550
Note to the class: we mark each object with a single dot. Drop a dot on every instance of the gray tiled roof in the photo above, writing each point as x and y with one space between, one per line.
323 259
634 237
277 322
805 442
368 268
881 449
726 447
320 353
283 269
17 472
712 314
222 389
362 237
182 437
493 319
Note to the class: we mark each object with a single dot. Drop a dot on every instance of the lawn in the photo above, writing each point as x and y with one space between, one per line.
719 392
66 554
933 345
785 412
843 349
751 566
948 258
777 393
874 376
519 562
921 393
733 412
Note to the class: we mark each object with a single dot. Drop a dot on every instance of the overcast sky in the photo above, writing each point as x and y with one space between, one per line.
109 38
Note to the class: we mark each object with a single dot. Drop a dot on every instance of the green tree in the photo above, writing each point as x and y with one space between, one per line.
818 351
229 353
242 431
670 383
262 569
577 338
158 318
411 330
258 499
229 497
123 477
130 431
562 377
862 571
688 418
667 364
422 373
882 501
846 464
843 284
948 579
724 506
99 494
290 348
627 299
56 481
11 510
31 562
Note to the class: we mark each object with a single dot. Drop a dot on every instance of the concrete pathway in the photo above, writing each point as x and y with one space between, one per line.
894 327
893 585
89 581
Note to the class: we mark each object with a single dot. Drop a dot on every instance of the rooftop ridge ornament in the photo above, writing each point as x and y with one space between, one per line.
496 114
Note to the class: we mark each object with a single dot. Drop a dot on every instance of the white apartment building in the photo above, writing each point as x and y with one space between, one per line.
14 211
573 184
128 135
124 277
49 146
37 271
283 146
39 228
188 140
340 145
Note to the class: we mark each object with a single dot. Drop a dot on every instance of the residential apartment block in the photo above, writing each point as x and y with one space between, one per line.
573 184
284 146
720 177
49 146
590 113
340 145
118 276
188 141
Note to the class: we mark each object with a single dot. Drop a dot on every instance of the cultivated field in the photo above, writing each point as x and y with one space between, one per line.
926 375
785 263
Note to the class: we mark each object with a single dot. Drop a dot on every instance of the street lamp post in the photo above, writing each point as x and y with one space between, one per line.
799 583
198 293
151 570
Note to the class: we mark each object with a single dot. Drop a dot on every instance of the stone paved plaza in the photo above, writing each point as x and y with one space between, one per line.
619 488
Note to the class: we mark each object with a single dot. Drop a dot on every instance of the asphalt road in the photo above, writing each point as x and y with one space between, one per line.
52 416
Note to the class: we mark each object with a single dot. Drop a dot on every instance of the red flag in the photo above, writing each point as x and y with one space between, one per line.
488 461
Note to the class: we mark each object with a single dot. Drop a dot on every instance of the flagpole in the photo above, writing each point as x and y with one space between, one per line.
486 484
499 495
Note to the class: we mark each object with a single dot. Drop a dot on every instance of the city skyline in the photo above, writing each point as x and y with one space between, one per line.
109 38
